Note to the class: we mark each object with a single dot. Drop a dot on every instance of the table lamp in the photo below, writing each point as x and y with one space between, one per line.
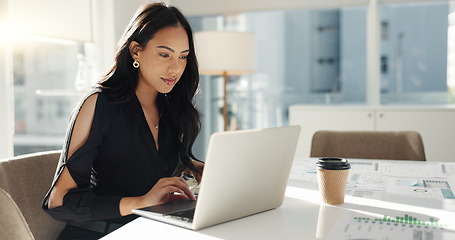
225 53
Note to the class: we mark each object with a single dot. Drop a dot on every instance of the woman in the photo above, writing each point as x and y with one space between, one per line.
126 139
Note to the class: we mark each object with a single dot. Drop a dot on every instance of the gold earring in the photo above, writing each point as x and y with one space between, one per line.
135 64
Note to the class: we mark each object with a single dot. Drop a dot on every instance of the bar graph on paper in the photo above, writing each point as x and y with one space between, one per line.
404 226
406 219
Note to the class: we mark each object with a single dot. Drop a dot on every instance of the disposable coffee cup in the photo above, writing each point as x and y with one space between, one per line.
332 179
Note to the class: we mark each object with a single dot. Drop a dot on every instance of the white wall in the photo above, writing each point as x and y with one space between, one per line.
210 7
6 103
52 18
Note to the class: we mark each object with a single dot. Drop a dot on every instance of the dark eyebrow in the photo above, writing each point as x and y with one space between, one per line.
172 50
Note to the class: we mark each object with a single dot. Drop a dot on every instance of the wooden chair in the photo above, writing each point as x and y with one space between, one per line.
26 179
401 145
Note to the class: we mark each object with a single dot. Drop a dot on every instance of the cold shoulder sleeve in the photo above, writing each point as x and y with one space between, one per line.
82 203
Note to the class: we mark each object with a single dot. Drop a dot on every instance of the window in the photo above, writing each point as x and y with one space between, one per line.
318 56
416 49
39 66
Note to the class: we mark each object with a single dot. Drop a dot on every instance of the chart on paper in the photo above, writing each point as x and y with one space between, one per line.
427 187
386 227
406 219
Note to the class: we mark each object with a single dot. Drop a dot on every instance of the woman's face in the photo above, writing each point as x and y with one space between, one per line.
163 59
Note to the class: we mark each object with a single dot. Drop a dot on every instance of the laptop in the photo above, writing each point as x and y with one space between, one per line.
245 173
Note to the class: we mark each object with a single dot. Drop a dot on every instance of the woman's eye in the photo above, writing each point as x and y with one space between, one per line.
164 55
183 57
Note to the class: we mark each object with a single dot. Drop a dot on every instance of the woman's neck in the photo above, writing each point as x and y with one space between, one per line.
147 96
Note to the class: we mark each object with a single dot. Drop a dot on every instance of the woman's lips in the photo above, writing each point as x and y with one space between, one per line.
169 81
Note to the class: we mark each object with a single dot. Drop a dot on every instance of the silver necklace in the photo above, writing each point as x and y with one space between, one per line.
156 126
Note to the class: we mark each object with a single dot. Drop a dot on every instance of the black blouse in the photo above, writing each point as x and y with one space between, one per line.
119 159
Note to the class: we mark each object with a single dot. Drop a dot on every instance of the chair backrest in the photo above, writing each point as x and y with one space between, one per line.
27 179
401 145
12 223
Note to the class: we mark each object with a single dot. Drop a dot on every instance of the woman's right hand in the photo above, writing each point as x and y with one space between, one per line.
165 190
168 189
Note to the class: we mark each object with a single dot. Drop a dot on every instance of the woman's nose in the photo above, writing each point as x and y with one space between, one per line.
175 67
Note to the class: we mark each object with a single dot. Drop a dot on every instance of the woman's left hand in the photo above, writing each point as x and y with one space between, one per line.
200 168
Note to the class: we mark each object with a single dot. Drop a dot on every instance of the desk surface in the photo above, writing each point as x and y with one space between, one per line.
381 202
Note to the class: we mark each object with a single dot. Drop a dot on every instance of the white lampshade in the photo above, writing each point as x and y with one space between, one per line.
230 52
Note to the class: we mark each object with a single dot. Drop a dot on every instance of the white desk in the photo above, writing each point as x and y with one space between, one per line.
303 217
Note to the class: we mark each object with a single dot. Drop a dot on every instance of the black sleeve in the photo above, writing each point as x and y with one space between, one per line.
82 204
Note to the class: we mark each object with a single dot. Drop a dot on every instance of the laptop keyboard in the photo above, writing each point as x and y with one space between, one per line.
185 215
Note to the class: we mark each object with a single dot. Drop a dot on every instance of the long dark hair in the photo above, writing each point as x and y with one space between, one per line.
121 80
